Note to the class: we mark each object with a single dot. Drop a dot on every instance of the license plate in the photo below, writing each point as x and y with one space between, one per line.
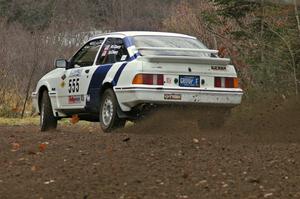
189 81
172 96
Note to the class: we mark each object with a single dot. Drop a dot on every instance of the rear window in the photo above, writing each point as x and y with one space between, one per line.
169 42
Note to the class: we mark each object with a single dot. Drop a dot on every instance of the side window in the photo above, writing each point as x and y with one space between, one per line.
113 51
86 55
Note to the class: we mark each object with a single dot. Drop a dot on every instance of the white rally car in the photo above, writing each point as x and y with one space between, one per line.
113 75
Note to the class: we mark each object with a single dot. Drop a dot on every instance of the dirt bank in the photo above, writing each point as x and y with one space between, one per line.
255 155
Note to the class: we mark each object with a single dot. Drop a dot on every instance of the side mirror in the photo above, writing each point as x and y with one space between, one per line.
61 63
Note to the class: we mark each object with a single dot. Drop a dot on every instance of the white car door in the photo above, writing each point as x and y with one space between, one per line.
72 92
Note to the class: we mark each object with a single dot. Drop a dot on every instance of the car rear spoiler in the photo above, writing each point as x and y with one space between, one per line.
185 59
180 49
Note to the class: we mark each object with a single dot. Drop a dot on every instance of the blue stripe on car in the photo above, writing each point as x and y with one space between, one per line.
118 73
134 56
128 41
95 87
99 75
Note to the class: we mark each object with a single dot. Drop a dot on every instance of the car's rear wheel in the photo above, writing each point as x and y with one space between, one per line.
47 119
108 115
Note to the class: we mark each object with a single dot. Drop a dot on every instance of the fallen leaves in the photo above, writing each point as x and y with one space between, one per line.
201 182
183 196
33 168
42 147
49 182
224 185
74 119
267 195
195 140
15 146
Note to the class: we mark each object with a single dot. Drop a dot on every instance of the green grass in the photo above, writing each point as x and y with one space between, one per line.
34 121
18 121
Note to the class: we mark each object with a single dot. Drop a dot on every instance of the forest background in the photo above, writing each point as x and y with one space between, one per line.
261 37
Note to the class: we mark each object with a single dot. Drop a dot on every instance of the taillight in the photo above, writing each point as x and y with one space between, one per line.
226 82
235 83
218 82
148 79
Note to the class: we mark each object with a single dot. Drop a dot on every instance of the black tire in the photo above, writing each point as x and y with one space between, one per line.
47 120
108 115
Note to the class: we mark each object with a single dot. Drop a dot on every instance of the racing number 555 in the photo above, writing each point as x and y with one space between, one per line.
74 85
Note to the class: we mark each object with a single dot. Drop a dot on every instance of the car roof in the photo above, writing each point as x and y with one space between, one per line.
142 33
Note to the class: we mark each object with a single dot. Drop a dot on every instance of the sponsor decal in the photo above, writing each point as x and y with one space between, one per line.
116 47
169 80
105 51
75 99
172 96
113 52
74 85
75 73
197 98
63 77
62 84
129 44
107 47
218 67
96 43
124 57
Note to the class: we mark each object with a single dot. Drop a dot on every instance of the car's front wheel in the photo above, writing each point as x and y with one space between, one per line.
47 119
108 115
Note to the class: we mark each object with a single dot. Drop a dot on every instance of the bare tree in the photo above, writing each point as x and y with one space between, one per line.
297 16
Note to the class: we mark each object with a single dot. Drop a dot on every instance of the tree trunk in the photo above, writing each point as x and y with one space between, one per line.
262 56
297 16
298 25
35 57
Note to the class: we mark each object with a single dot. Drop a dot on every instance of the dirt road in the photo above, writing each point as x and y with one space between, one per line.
256 155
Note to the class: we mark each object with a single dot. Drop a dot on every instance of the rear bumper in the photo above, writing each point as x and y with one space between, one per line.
129 97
